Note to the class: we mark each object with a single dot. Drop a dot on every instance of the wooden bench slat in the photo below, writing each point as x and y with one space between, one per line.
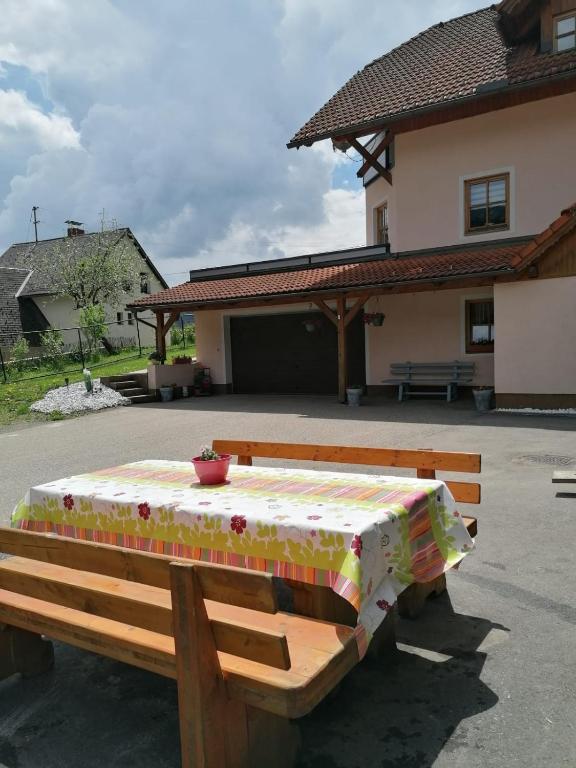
138 605
383 457
467 493
321 653
563 476
132 645
245 588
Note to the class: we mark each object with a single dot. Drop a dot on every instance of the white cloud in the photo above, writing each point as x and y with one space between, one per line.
47 131
175 116
340 227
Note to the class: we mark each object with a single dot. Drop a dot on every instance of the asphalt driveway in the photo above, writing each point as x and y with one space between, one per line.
486 677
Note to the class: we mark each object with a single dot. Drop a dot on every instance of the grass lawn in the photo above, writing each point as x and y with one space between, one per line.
16 398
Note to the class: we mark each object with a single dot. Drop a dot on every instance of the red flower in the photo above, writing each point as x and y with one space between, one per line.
238 523
384 605
144 510
68 501
456 514
356 546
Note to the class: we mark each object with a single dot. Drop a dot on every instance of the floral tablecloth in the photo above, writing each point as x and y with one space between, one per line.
366 536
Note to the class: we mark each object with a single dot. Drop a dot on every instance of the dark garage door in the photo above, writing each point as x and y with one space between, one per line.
277 354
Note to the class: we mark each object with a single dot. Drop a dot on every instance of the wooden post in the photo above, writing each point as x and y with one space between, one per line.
24 652
160 334
342 363
202 699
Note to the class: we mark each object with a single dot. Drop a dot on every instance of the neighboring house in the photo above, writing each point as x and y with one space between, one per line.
28 303
469 168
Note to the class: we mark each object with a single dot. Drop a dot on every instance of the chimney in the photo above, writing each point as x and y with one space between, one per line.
74 228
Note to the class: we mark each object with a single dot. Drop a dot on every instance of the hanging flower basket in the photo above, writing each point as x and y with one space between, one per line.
374 318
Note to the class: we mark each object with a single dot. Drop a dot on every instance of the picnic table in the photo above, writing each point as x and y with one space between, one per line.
367 537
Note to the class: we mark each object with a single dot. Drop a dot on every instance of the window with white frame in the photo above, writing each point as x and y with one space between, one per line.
565 32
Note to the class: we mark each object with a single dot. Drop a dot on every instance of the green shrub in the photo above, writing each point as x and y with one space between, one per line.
189 335
53 344
19 354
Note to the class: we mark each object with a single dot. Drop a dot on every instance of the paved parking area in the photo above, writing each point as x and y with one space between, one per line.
485 678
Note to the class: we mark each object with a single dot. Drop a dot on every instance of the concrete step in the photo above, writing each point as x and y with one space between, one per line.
120 386
119 377
132 391
137 399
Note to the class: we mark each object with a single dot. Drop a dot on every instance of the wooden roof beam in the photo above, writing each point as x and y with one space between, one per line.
384 144
371 159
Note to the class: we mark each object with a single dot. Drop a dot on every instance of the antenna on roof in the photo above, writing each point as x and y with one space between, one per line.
36 222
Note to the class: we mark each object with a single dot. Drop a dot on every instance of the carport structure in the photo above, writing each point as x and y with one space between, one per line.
341 285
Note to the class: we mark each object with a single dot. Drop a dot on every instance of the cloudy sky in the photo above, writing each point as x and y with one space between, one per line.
173 118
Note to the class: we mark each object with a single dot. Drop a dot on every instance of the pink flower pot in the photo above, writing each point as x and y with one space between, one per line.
212 472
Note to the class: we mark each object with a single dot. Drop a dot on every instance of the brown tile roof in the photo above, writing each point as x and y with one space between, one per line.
453 60
545 240
447 263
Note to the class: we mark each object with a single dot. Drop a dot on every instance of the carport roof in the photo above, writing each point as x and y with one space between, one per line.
362 269
358 270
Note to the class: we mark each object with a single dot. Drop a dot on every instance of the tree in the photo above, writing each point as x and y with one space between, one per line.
94 269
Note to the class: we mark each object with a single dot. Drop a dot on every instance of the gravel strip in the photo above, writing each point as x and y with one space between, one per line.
75 399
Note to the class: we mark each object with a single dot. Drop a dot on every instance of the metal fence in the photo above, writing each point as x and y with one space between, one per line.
37 361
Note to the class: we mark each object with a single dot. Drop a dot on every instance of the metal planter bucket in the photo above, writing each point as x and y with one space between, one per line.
166 394
483 399
353 395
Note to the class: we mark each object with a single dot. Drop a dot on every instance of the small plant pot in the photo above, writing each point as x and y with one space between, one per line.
353 396
483 399
212 472
166 394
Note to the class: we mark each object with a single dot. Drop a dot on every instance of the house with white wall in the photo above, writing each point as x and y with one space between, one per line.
467 133
29 303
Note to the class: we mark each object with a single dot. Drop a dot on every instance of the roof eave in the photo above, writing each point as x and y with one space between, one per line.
364 128
321 292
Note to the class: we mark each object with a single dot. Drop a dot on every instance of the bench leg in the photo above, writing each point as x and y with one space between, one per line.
411 602
259 739
383 641
23 652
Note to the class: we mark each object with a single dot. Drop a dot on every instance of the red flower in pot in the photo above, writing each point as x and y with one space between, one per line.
211 467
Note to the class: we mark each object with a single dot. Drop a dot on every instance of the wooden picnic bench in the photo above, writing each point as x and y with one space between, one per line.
446 376
322 602
243 668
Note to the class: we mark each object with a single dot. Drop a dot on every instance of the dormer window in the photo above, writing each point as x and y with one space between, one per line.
565 32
